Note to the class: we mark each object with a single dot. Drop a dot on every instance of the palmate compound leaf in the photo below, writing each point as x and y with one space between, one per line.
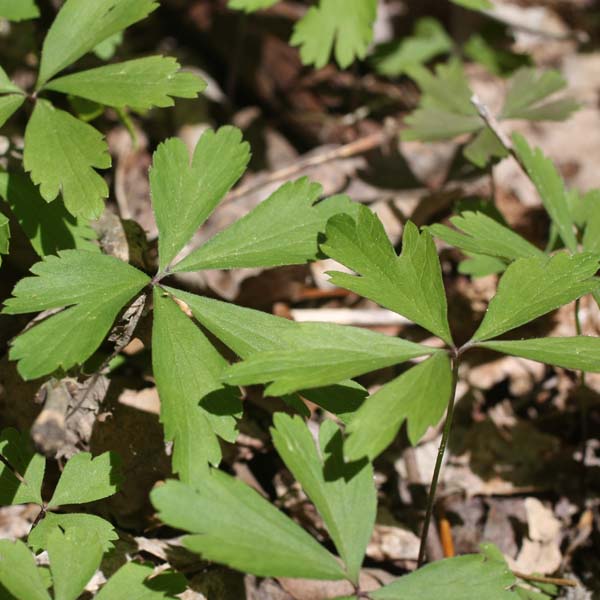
86 478
184 195
528 89
579 353
18 10
282 230
9 104
551 188
247 331
251 5
16 448
195 407
93 286
93 525
4 236
419 396
410 284
342 26
61 153
141 83
477 233
75 556
49 227
532 287
131 582
19 573
232 524
345 496
81 25
470 577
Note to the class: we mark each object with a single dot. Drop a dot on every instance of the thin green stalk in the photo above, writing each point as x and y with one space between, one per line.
439 460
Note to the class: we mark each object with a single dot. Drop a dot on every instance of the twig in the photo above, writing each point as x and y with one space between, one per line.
439 460
551 580
358 146
12 469
579 36
492 123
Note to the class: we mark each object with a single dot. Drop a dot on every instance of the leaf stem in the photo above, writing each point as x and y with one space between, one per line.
439 460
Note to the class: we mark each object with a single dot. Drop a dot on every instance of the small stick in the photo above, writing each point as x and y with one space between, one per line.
358 146
551 580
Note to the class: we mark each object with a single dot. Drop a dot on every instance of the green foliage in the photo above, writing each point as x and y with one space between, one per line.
478 233
419 396
49 227
61 153
344 496
140 84
74 556
195 408
484 575
446 111
18 10
579 353
344 27
9 104
19 573
251 5
229 521
474 4
93 286
532 287
551 188
409 284
219 160
428 40
4 236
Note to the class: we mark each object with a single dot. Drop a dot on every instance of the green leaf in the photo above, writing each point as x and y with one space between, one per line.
9 104
591 234
131 582
85 479
17 449
485 47
49 227
106 49
141 84
475 4
184 195
6 85
18 572
195 408
248 331
236 526
93 525
477 576
18 10
445 110
419 396
282 230
61 153
484 147
98 285
429 39
344 496
532 287
75 556
410 284
326 363
527 91
81 25
578 353
478 265
251 5
551 188
342 26
4 236
479 234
